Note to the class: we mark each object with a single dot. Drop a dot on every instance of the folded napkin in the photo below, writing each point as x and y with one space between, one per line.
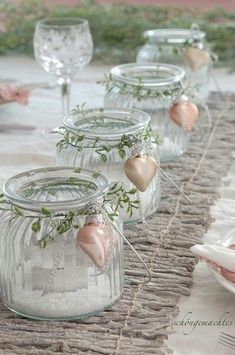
11 93
220 255
20 94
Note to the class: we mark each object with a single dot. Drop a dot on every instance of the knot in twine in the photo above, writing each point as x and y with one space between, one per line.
138 146
94 207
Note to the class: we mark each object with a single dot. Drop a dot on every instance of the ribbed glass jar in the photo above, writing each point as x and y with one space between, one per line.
151 88
168 46
100 129
55 280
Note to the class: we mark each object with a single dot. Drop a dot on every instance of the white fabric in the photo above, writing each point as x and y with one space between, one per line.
209 301
21 150
222 256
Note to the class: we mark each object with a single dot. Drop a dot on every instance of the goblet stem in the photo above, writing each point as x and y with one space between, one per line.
65 95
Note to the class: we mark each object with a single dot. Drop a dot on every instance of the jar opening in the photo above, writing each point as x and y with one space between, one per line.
148 76
107 124
58 189
173 35
59 22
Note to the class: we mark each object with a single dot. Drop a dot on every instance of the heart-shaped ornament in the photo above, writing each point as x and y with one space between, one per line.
95 240
184 114
140 170
196 58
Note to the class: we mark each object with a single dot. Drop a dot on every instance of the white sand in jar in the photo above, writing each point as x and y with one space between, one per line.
78 287
169 149
63 304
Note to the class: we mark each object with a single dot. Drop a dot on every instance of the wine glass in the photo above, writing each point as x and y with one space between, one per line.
61 47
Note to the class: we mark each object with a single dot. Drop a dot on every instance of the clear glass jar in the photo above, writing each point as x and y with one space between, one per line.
101 129
151 88
57 280
168 46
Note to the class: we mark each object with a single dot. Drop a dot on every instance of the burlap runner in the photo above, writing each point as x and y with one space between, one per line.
140 322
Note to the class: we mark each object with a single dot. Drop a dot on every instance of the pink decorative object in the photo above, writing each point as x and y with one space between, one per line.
10 93
229 275
95 239
185 114
140 170
221 257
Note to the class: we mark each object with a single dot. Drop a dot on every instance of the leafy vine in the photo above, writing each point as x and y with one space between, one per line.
61 222
139 91
80 142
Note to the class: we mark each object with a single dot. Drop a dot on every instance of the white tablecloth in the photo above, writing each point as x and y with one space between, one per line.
209 301
21 150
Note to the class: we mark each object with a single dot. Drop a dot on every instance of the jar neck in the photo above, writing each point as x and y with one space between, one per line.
104 147
147 77
174 37
55 190
142 91
173 43
106 125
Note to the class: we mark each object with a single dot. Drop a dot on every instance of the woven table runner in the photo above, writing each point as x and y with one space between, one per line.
141 321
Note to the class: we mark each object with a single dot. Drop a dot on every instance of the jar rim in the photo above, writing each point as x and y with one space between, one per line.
61 22
31 178
173 35
132 73
133 121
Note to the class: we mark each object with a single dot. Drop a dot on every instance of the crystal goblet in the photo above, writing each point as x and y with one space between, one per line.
61 47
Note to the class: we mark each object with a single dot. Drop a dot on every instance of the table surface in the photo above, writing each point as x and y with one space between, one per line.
209 301
21 150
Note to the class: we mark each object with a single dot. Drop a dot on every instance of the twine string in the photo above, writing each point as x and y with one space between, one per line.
188 91
59 256
164 232
216 84
141 147
148 272
166 176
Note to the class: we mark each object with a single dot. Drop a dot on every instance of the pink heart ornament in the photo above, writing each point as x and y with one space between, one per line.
140 170
196 58
184 114
95 239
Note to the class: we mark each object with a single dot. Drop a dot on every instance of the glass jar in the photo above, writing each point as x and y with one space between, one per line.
101 138
153 89
45 270
169 46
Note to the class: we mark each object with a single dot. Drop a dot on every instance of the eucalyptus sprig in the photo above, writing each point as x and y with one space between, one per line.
139 91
